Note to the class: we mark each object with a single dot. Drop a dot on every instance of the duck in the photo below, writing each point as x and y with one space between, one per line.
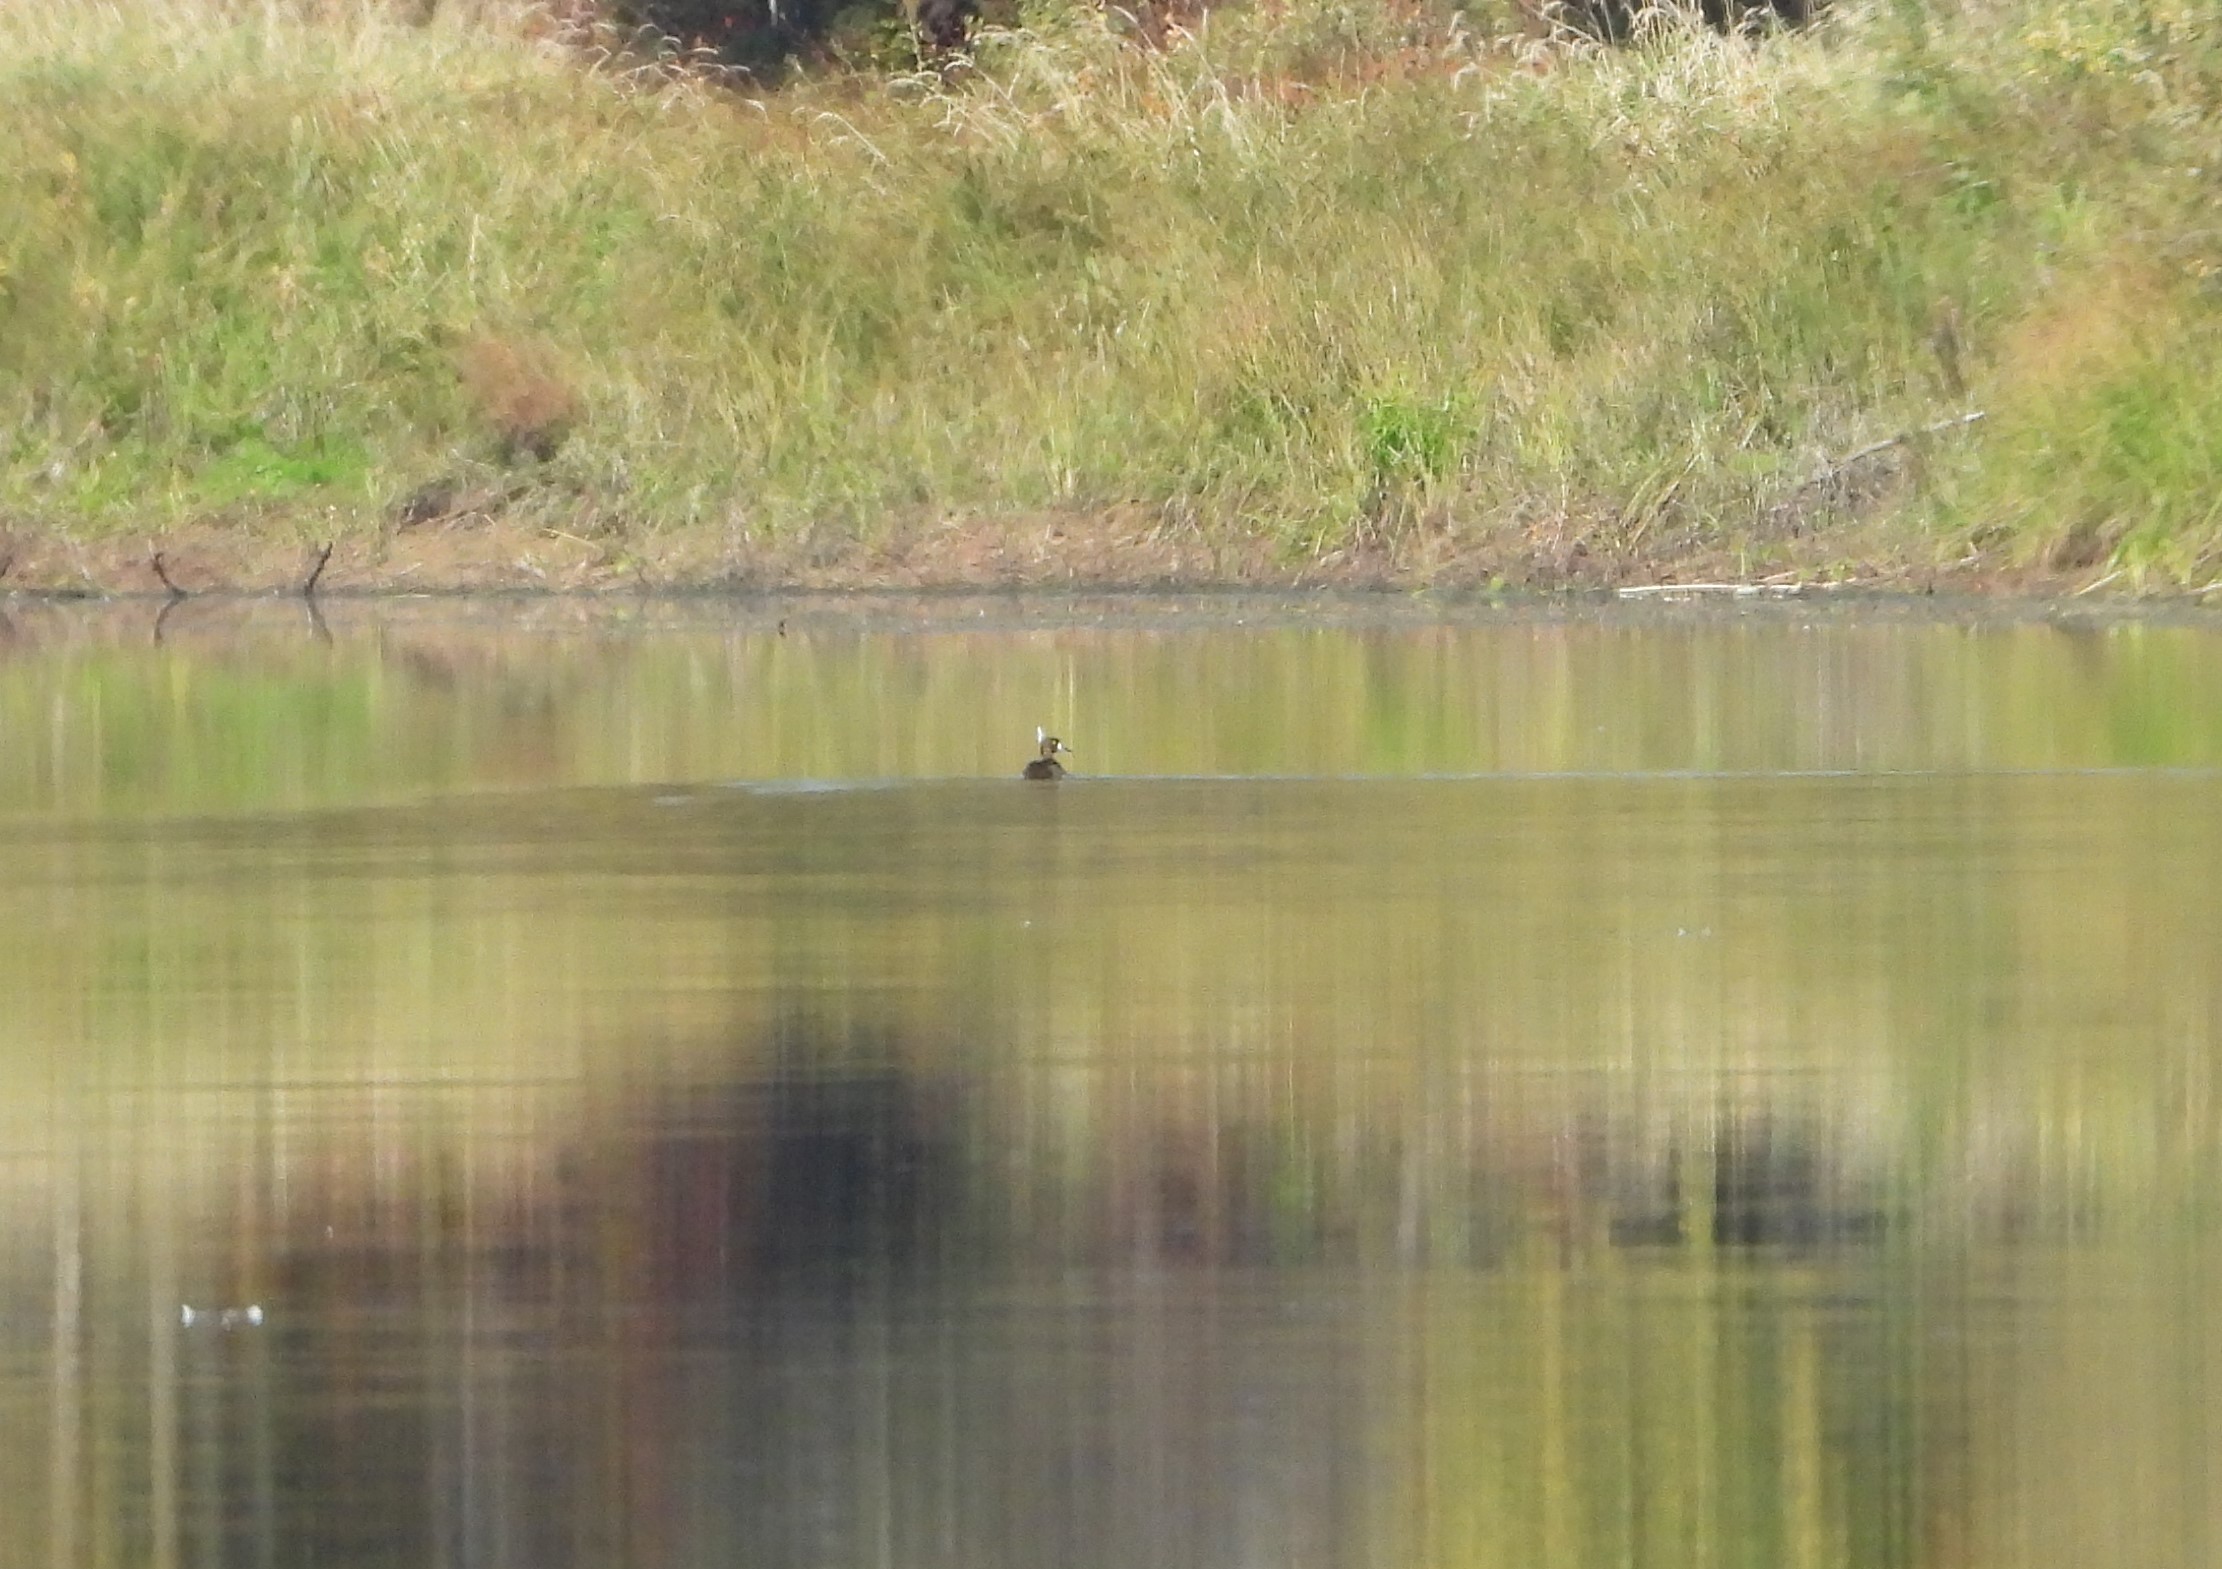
1046 766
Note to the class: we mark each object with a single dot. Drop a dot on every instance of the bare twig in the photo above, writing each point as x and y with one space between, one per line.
323 558
2094 586
1832 469
162 571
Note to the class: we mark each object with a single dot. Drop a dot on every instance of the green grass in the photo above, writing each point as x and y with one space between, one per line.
1322 273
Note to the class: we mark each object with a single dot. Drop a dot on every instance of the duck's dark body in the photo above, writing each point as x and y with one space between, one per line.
1046 766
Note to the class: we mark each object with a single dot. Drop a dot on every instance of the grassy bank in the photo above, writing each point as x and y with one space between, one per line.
1337 288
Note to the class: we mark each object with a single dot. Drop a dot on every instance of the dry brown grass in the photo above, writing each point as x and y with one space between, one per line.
520 393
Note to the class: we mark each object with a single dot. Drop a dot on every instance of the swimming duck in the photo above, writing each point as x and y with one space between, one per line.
1046 766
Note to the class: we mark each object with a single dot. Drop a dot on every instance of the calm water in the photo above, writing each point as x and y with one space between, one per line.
524 1086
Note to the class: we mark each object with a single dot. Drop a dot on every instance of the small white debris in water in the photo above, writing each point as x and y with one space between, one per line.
248 1317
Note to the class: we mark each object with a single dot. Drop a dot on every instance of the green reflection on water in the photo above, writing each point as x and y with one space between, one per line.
1729 1168
243 708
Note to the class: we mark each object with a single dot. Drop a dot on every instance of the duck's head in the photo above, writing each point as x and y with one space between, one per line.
1049 744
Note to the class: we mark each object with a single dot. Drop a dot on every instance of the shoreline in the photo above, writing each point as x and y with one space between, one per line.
31 617
1098 555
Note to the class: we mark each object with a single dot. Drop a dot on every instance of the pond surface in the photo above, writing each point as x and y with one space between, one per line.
540 1086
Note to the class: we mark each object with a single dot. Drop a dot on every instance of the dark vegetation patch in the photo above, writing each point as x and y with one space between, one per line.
764 35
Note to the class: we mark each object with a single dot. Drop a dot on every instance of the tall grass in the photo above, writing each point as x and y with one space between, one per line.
1340 275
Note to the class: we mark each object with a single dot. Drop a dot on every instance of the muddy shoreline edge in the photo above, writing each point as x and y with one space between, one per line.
1103 555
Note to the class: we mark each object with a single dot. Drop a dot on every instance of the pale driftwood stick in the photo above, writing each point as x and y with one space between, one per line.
1734 590
323 557
2094 587
162 571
